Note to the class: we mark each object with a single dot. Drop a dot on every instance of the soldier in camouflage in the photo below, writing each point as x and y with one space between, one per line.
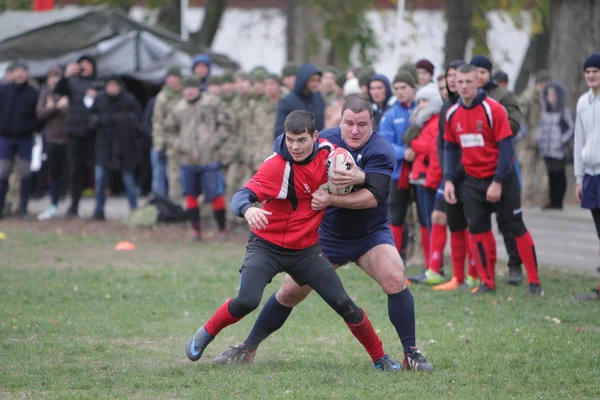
201 138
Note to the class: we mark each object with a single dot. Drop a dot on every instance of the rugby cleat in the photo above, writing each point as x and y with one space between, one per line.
482 289
452 284
235 355
416 362
515 277
535 289
472 282
197 344
422 277
386 363
594 294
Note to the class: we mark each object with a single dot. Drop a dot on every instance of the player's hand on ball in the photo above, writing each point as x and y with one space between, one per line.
494 192
449 193
342 177
257 218
320 200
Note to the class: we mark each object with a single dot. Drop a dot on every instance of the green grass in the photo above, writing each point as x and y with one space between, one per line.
80 320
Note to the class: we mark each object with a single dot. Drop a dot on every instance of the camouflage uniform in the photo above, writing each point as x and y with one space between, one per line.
259 143
533 170
163 140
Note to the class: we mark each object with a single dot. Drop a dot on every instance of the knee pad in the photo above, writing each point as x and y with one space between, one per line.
517 225
5 169
24 167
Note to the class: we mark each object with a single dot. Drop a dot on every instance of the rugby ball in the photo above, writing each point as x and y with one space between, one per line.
338 160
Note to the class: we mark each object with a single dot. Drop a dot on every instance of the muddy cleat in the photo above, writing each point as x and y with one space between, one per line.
515 277
236 355
415 361
594 294
197 344
386 363
452 284
535 289
482 289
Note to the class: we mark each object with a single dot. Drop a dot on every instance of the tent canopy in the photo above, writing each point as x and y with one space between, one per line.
122 45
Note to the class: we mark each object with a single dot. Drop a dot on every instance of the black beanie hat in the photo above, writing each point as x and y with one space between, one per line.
592 61
481 62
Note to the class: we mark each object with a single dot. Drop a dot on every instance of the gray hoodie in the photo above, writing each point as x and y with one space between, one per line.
587 136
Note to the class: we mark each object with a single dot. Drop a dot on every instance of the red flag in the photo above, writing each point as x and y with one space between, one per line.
43 5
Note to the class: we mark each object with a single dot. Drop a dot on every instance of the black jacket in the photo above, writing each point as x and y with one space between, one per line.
75 88
116 124
17 110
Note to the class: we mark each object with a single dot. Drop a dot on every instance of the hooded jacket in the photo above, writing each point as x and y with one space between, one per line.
116 122
299 100
17 110
286 187
202 58
378 111
393 125
555 124
587 136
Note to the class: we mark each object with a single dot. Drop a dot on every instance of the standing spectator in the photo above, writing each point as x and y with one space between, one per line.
328 86
115 118
555 132
534 183
508 100
380 93
163 157
8 73
214 85
501 79
78 84
201 65
441 81
51 111
203 130
305 96
18 123
587 148
258 83
288 76
425 72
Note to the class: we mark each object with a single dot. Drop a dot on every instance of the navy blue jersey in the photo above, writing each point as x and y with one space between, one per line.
376 156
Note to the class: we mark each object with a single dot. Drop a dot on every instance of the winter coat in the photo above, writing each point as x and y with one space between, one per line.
243 126
509 102
425 148
377 110
259 145
201 131
17 110
165 101
587 136
75 88
531 106
116 124
147 116
51 118
555 125
393 125
298 100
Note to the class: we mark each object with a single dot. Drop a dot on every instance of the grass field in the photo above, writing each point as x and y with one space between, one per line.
80 320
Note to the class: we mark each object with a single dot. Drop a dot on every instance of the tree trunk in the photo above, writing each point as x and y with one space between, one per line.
213 11
305 33
290 29
459 14
574 34
536 59
169 16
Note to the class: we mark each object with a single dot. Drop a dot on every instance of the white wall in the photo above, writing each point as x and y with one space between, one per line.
257 37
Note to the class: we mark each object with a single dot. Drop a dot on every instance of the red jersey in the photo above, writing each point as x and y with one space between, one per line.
286 188
477 130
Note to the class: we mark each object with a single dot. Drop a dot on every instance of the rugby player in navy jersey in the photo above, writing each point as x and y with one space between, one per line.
355 228
284 238
478 125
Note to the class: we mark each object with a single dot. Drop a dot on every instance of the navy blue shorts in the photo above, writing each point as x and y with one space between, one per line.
342 251
11 147
203 179
590 192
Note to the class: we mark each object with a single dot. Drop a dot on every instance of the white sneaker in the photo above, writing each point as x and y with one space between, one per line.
50 213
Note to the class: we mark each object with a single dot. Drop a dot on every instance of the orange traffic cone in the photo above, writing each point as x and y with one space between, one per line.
125 246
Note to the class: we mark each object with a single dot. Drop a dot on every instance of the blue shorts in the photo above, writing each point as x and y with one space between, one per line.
590 192
204 179
11 147
342 251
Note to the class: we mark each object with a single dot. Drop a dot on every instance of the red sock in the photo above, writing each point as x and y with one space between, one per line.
526 249
398 233
471 260
218 203
459 244
480 247
438 242
191 202
366 335
425 244
221 319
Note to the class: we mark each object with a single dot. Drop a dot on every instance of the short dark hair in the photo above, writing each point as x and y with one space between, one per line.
466 68
441 76
300 121
357 104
